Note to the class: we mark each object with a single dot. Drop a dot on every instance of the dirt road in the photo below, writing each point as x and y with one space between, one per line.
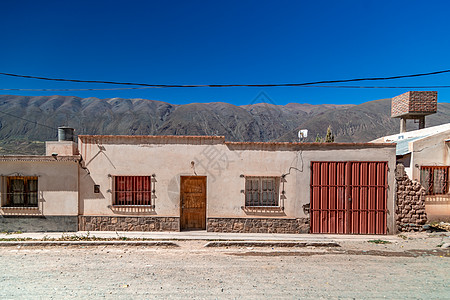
191 271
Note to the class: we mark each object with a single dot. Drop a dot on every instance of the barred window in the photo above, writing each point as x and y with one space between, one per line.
261 191
435 179
132 190
22 191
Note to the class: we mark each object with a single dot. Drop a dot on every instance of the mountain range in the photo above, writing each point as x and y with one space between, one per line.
27 121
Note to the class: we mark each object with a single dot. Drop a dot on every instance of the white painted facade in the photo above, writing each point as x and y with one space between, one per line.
68 184
427 147
225 164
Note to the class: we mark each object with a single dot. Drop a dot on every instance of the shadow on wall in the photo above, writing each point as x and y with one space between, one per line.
88 190
173 189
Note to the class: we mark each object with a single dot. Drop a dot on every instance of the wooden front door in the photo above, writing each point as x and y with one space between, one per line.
193 202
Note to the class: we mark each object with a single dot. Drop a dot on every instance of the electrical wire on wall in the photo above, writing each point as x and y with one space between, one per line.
298 157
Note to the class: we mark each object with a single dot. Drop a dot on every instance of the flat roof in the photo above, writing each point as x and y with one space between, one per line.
205 139
414 133
403 145
42 158
189 137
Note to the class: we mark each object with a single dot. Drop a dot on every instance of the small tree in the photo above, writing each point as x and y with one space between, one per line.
329 138
319 139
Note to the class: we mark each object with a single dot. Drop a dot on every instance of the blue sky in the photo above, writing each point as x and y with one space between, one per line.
225 42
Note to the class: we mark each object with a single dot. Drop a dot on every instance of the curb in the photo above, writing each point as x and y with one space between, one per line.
270 244
90 243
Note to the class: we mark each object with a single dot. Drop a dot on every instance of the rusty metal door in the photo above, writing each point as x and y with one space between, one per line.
193 202
349 197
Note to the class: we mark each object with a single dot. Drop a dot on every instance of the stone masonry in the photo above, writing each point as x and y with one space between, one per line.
258 225
414 102
410 206
103 223
38 223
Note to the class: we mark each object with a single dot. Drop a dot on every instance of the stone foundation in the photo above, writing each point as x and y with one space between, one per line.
258 225
38 223
103 223
410 206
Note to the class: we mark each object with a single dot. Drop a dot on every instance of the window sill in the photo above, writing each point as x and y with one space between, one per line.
133 209
261 206
437 199
267 211
19 208
20 211
133 206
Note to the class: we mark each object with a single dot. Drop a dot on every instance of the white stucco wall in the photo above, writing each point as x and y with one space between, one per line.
429 151
57 184
61 148
432 151
169 158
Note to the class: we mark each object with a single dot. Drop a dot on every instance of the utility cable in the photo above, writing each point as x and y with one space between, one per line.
11 115
30 121
312 86
228 85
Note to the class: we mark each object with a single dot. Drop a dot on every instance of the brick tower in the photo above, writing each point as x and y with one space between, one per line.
414 105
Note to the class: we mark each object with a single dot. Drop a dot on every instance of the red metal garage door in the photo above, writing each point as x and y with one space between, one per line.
348 197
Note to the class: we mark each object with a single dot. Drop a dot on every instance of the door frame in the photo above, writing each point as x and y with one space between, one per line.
182 178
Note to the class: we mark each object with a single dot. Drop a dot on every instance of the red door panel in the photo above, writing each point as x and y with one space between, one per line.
348 197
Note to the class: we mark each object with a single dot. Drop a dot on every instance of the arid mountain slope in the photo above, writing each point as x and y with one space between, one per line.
257 122
363 123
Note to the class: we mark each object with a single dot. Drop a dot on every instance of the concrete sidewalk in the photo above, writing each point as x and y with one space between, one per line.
202 235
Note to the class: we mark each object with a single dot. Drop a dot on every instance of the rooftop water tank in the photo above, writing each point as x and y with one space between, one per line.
414 103
65 134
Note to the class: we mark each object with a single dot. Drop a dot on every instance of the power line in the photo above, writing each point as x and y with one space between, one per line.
31 121
68 90
27 120
380 87
228 85
311 86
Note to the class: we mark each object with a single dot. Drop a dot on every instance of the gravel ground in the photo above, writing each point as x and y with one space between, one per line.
413 268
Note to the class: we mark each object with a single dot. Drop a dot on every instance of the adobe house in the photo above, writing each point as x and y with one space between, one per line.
173 183
177 183
424 153
40 192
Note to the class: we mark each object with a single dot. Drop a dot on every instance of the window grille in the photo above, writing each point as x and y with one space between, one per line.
261 191
132 191
435 179
22 191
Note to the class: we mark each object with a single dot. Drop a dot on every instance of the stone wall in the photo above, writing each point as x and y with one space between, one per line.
410 206
38 223
258 225
104 223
